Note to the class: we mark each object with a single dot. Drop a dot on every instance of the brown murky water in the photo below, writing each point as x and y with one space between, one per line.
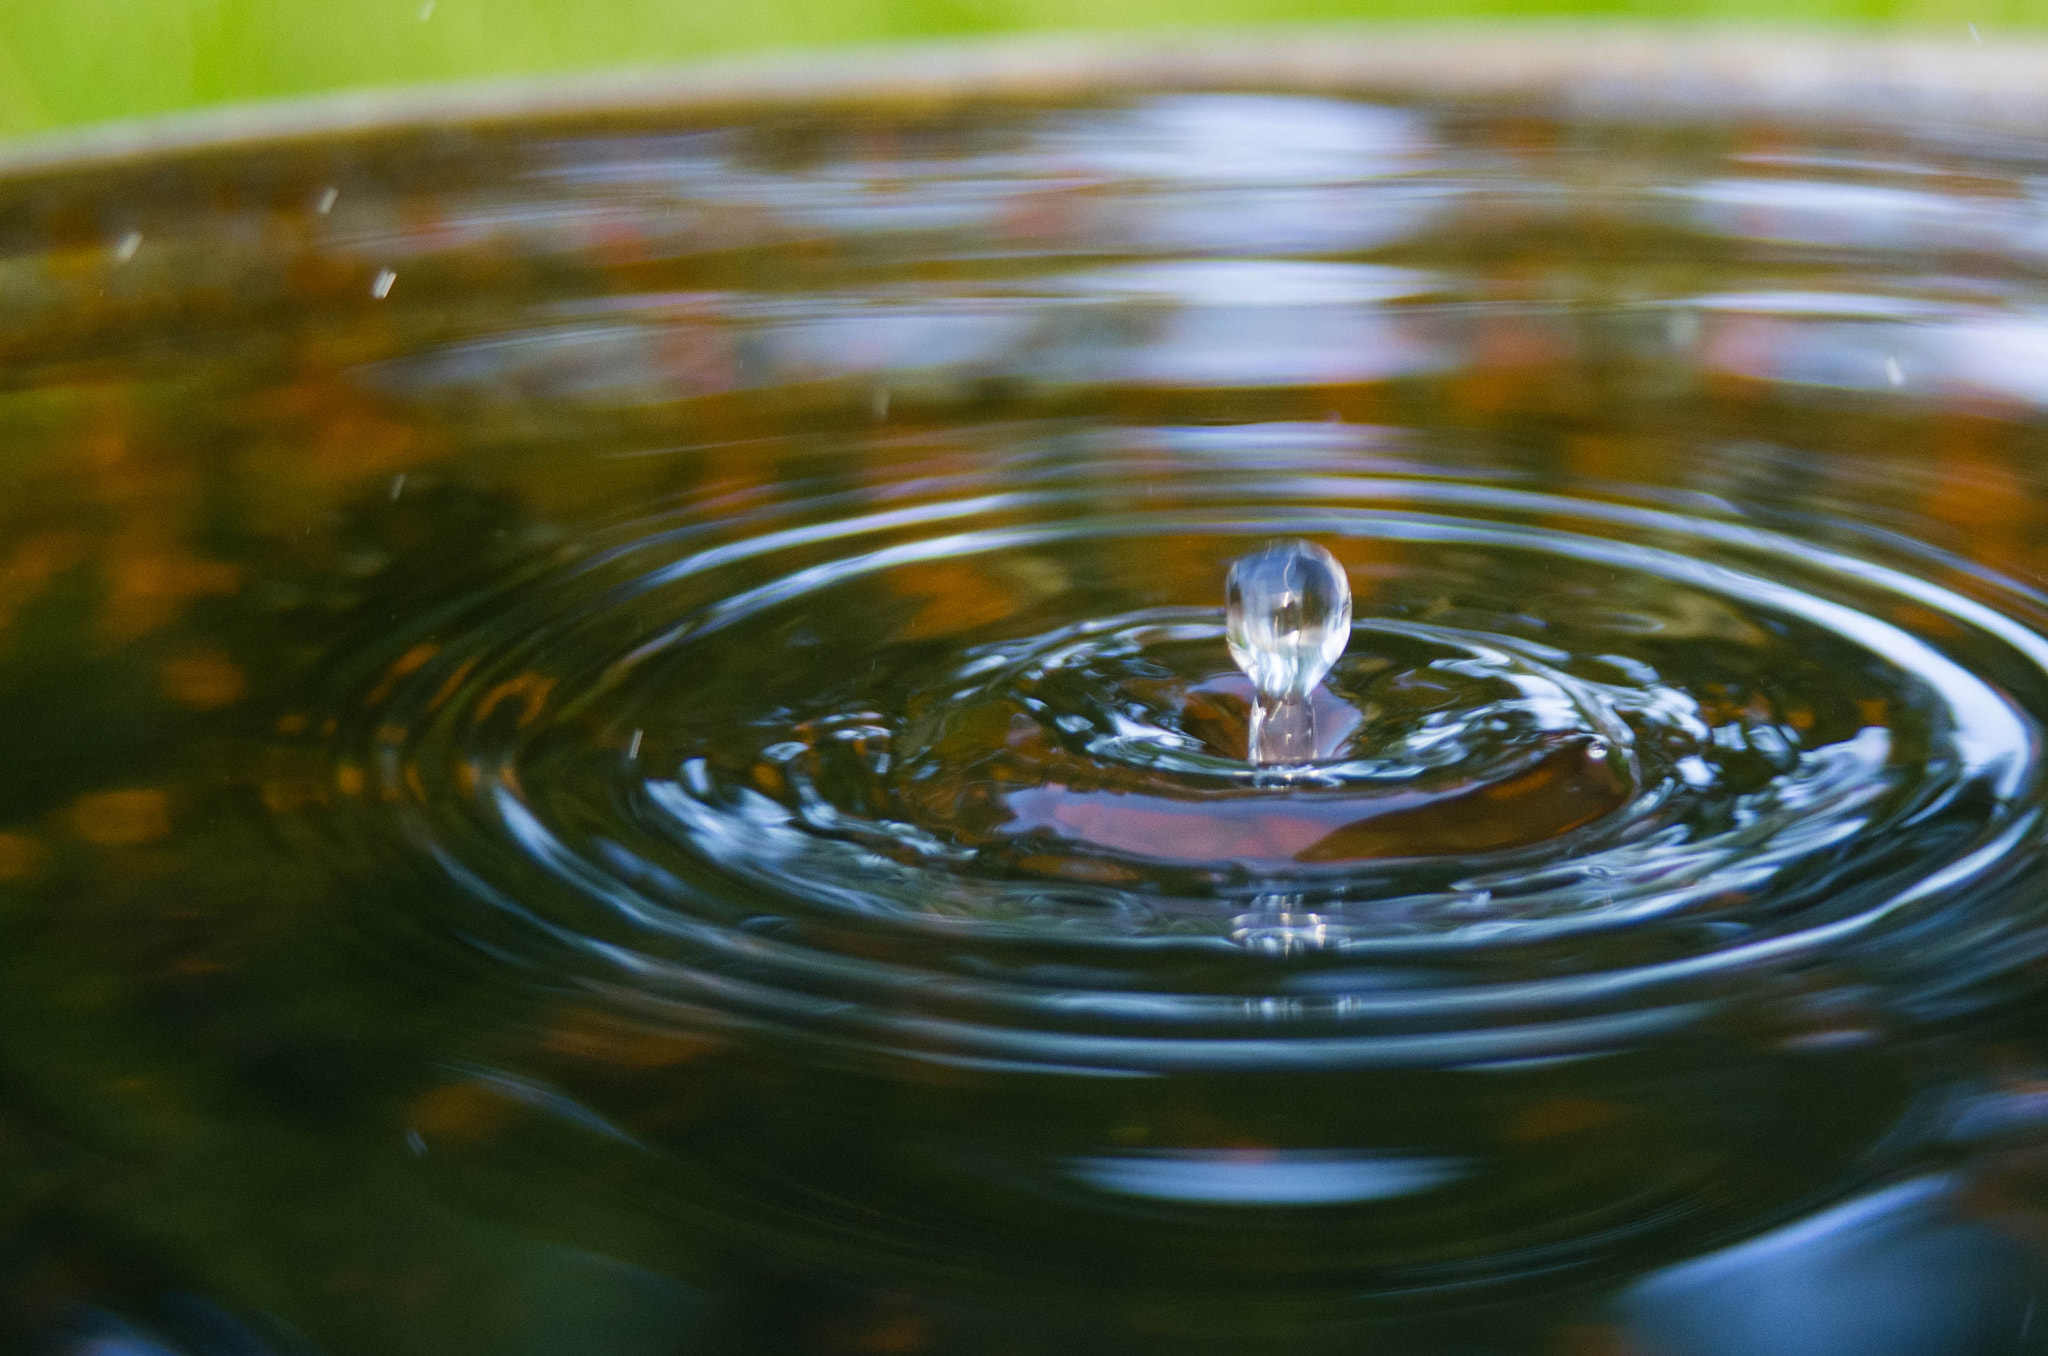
619 738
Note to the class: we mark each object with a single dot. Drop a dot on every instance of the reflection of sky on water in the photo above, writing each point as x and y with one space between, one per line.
1278 346
1946 1264
1853 216
1241 138
1269 1178
1876 344
1203 230
1277 220
1247 180
1900 1272
1959 338
1247 282
1268 322
1218 171
1199 322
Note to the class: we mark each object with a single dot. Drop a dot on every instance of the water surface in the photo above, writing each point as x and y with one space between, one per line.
621 737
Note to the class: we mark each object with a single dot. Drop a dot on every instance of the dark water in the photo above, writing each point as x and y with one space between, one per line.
619 739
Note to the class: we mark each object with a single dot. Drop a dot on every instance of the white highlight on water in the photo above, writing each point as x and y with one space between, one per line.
130 243
1288 613
381 288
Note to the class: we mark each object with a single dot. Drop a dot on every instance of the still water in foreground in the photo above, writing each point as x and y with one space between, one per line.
620 738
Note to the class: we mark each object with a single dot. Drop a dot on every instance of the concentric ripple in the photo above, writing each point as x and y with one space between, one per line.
874 743
805 651
621 722
950 768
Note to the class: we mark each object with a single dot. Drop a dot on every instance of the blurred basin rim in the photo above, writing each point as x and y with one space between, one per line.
1560 68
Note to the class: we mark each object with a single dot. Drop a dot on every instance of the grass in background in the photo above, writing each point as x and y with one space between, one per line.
72 61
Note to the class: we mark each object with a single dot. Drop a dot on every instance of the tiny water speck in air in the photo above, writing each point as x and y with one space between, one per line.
381 288
130 243
1894 372
427 11
327 201
397 485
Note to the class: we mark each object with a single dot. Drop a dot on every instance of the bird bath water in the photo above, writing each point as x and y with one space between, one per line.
624 735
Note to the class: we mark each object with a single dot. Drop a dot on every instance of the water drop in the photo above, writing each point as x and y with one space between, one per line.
1288 606
381 288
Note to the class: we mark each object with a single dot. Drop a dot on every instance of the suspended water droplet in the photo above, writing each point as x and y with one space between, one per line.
1288 608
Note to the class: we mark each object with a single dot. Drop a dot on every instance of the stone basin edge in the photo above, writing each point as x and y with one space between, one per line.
1561 67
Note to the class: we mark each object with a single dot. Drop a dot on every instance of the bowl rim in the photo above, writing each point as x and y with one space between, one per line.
1654 73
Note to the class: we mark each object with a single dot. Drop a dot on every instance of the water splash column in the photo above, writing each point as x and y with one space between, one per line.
1288 609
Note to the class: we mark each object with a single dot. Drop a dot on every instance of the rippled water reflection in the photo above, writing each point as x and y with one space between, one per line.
622 738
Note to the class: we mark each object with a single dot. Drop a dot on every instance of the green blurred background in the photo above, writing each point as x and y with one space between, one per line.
72 61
